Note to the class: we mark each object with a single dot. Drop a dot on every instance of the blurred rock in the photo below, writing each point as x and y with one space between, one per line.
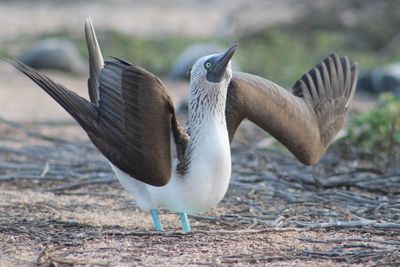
186 60
56 54
382 79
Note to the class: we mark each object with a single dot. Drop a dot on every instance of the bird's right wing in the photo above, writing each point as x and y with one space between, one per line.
132 123
136 116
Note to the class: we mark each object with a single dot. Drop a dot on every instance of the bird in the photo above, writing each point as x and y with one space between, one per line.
131 119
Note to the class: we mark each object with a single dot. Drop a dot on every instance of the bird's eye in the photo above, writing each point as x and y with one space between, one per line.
208 65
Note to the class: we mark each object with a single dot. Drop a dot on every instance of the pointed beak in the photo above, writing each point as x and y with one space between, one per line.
220 62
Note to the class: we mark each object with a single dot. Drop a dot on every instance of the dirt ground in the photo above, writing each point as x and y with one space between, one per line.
104 228
60 206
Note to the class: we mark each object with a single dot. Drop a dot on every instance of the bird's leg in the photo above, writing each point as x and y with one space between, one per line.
184 222
156 220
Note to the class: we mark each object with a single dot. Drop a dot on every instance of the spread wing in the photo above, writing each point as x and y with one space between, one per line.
130 116
305 121
134 115
132 123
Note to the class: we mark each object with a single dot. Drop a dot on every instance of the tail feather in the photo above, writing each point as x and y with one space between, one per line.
96 62
84 112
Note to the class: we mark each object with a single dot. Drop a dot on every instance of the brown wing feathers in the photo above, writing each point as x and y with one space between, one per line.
305 121
328 88
131 125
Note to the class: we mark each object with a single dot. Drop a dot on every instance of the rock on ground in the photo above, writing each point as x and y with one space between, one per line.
55 54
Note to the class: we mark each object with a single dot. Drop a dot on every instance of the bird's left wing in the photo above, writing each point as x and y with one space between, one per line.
305 121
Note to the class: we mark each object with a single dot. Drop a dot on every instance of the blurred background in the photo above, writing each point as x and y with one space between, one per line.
60 204
279 40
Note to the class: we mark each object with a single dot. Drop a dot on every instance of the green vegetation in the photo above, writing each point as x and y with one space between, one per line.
379 130
4 53
283 55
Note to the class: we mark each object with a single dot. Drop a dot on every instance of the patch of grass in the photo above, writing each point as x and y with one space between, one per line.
379 129
281 57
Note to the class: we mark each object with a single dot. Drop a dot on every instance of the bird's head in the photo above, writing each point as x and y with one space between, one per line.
211 73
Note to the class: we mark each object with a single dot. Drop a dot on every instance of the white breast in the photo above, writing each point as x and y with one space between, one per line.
205 183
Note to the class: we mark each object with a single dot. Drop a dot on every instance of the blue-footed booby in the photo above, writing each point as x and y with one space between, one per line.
131 119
